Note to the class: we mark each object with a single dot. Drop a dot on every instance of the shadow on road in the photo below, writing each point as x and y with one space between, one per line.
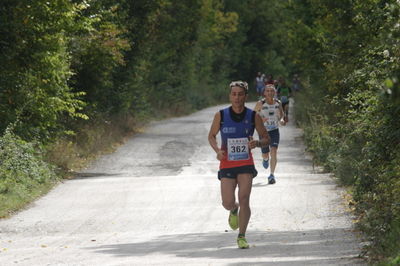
277 248
83 175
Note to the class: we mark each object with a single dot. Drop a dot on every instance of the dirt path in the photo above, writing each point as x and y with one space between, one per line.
156 201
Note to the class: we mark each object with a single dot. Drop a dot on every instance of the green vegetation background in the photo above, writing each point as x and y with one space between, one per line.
78 76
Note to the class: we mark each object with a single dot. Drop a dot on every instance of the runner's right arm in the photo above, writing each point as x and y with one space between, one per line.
212 136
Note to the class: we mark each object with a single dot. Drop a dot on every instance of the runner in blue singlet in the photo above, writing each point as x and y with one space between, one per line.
236 124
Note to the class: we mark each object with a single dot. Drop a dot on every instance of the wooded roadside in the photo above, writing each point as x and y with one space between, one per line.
78 76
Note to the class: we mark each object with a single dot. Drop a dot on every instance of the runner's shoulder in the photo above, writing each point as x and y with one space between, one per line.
219 115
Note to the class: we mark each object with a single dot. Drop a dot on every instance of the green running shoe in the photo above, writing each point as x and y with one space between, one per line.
242 242
233 219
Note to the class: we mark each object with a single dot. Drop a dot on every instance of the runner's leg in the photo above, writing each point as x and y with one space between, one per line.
265 156
228 186
286 112
274 159
244 183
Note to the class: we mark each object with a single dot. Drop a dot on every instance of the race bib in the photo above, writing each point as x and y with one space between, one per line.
271 123
238 149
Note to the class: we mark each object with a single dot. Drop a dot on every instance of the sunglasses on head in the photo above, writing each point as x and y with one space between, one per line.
240 84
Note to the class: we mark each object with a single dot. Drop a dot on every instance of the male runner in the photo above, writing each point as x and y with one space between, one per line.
236 125
284 93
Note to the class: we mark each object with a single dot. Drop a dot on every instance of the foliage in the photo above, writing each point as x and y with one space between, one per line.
35 67
97 49
353 67
22 171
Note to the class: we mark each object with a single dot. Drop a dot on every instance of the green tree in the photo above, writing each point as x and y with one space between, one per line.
35 70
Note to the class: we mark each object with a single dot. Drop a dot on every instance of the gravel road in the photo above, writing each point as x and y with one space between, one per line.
156 201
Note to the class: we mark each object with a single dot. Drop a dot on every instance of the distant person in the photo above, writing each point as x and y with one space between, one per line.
269 80
284 93
259 83
271 112
296 83
236 125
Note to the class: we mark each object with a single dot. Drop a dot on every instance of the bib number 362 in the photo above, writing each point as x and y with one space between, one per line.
238 149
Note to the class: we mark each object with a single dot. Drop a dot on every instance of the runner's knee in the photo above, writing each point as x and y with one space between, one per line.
229 205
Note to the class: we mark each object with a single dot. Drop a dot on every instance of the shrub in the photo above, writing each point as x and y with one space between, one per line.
23 173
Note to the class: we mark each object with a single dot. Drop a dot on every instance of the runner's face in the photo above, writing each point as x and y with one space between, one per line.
237 96
269 92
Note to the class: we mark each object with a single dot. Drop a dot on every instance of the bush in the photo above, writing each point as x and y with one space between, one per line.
23 173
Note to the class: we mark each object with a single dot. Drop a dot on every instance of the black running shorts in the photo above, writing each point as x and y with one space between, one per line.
233 172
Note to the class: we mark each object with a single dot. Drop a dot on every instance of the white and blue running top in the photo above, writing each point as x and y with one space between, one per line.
270 115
